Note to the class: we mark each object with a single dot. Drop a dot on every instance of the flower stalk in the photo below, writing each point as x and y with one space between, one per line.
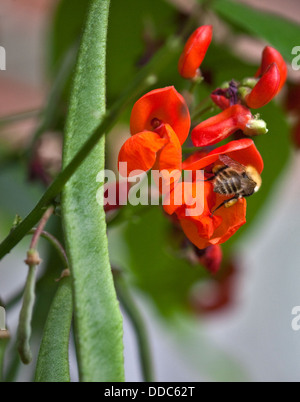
33 260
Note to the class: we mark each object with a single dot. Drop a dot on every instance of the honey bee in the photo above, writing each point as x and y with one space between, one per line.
234 179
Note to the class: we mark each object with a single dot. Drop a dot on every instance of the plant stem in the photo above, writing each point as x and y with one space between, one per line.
24 328
136 319
56 244
37 233
142 81
200 112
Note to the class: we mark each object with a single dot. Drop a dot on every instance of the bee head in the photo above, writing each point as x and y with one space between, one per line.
253 174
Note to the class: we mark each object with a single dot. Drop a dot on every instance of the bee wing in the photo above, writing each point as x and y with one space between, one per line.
231 163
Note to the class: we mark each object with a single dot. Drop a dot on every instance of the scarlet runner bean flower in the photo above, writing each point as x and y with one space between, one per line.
221 126
194 52
214 228
159 125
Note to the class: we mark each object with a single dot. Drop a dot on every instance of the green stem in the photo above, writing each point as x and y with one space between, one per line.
136 319
142 81
56 244
194 84
199 113
33 260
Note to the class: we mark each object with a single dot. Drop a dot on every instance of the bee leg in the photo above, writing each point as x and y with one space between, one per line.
231 202
226 203
210 178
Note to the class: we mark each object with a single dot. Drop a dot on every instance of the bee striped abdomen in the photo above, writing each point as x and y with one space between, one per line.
228 182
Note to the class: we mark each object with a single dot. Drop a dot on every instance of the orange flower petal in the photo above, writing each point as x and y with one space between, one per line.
190 229
232 219
140 151
170 157
166 105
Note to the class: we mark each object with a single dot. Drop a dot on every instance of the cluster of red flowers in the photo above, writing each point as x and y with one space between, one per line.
160 123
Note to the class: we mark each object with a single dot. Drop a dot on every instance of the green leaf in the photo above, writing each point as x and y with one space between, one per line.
53 360
279 32
98 321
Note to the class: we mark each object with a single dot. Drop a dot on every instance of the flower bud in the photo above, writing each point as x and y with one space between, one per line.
194 52
256 127
270 56
265 89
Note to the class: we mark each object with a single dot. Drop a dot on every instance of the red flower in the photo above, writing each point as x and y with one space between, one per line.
265 89
194 52
221 126
270 56
207 229
159 123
